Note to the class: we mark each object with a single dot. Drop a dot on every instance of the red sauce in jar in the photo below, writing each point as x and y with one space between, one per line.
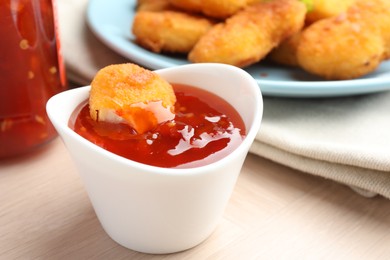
31 72
205 129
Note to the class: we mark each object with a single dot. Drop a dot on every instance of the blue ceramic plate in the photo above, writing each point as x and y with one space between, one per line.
111 22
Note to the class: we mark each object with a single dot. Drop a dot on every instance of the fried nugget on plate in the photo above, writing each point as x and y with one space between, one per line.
347 46
127 93
169 31
249 35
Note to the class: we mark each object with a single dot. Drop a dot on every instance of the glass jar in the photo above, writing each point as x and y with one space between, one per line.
31 71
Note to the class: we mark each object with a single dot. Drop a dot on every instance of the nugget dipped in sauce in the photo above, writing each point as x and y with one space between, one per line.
134 113
127 93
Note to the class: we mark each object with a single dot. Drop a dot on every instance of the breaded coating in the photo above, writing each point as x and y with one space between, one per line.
286 52
249 35
169 31
213 8
327 8
347 46
377 12
127 93
153 5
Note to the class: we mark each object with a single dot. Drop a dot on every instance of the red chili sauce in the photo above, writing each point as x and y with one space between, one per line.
30 73
206 128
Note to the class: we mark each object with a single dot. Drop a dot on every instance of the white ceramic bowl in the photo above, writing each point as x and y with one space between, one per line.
162 210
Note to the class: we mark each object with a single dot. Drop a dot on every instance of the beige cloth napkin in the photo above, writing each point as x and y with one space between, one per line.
344 139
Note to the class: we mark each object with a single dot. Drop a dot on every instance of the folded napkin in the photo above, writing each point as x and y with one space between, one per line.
345 139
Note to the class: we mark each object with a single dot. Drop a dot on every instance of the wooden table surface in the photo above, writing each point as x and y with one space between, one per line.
274 213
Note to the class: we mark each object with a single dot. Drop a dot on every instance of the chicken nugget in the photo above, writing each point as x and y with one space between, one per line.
249 35
127 93
347 46
169 31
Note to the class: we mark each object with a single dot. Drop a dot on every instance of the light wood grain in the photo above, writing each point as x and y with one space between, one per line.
274 213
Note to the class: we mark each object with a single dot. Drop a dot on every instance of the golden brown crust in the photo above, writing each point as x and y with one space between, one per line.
122 90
